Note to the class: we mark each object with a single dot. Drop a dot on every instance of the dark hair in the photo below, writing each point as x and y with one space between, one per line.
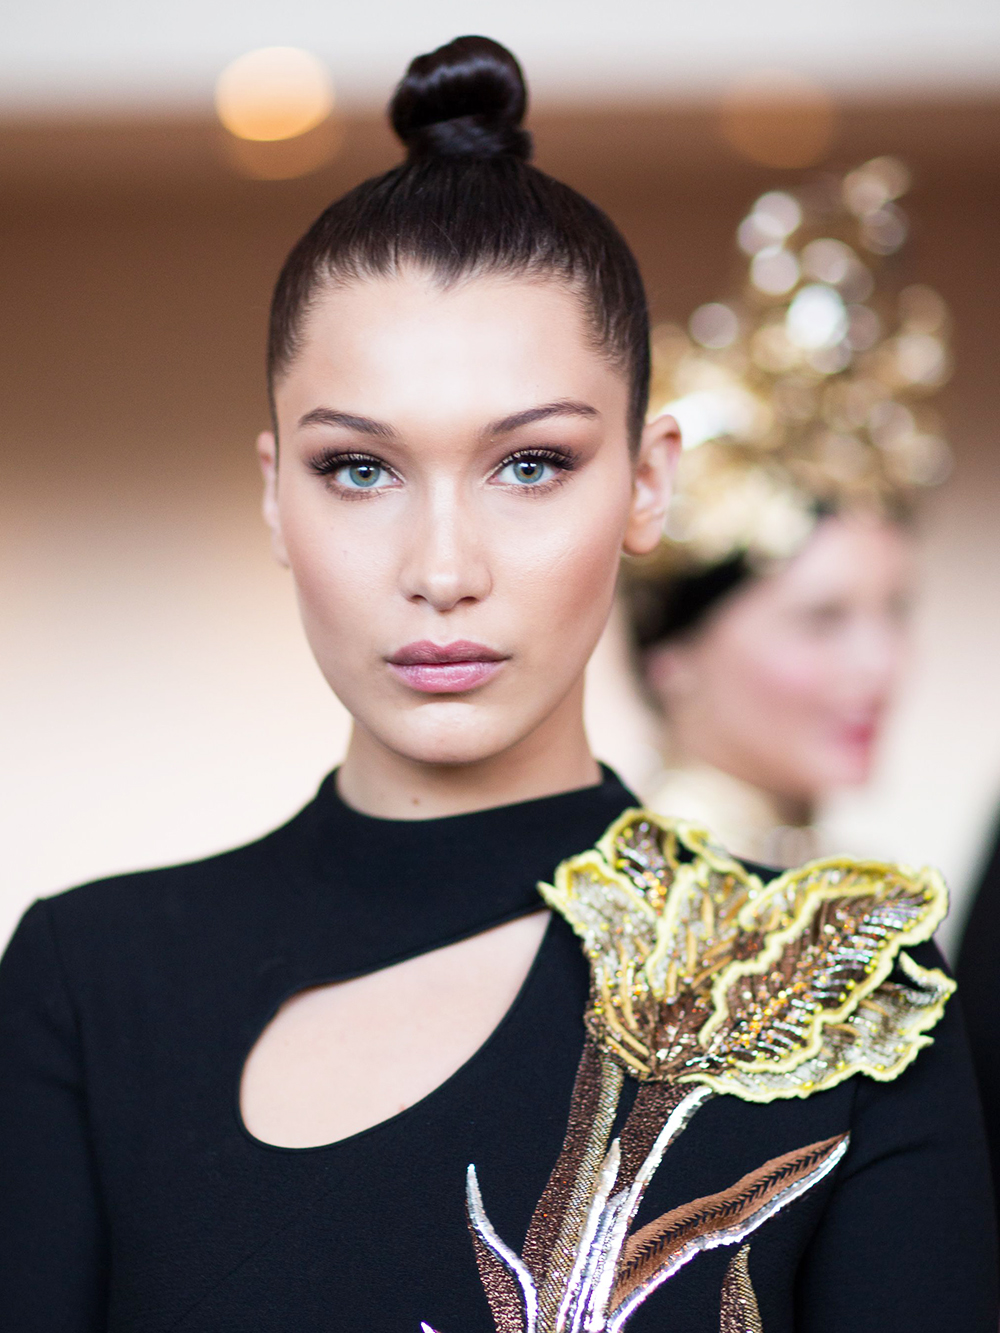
668 609
467 201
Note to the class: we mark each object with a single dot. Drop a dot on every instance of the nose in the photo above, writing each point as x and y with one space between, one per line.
878 648
445 563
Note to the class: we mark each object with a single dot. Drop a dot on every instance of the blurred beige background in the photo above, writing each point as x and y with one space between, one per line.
158 699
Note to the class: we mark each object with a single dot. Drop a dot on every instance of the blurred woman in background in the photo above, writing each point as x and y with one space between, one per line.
774 686
771 625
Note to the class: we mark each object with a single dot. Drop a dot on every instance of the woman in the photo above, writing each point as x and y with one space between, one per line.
262 1090
775 687
771 622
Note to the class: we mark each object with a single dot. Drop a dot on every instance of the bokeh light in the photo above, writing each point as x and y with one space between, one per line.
774 270
714 325
276 93
816 317
285 159
778 118
875 184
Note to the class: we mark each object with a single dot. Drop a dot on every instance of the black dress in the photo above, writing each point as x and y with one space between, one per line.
978 972
132 1197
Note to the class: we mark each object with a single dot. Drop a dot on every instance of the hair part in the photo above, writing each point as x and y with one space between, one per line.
467 203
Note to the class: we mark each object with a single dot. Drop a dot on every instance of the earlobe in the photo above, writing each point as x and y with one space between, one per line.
267 455
659 451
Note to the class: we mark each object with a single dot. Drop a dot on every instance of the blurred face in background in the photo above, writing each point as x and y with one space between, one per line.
787 682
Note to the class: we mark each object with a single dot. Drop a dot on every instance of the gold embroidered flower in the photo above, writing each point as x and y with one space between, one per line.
702 973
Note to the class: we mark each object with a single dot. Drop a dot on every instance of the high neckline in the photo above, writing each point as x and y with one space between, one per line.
402 887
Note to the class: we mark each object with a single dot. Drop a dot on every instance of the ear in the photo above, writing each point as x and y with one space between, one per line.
659 450
267 454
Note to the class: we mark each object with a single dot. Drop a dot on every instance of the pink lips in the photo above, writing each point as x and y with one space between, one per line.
449 668
859 736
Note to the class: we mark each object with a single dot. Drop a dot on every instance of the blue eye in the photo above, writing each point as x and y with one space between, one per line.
527 471
360 476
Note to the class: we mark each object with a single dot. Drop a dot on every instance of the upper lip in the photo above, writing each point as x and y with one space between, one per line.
426 653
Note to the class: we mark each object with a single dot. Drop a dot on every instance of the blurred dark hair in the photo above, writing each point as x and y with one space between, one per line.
665 608
467 201
668 609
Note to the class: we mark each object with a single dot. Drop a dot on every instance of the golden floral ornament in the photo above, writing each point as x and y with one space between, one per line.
807 391
704 980
702 973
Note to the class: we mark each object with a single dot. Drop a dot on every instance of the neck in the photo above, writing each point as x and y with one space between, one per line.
555 757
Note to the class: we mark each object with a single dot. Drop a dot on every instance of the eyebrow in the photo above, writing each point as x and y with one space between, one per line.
328 416
379 430
565 407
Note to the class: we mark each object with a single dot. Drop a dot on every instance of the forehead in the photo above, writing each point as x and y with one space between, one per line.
846 556
853 549
485 341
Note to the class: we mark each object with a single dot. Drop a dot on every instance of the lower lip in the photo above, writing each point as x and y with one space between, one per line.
445 677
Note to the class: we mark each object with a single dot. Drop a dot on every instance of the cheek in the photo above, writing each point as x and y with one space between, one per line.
797 673
559 573
792 696
785 684
339 579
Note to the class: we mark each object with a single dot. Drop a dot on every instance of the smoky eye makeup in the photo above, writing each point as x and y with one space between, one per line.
535 469
352 472
327 461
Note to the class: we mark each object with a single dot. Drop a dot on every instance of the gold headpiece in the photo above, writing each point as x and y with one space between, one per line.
807 392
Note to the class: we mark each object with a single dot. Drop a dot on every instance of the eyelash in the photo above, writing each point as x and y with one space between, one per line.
561 459
329 462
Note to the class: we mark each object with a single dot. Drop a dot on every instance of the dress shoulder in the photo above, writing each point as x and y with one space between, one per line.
161 891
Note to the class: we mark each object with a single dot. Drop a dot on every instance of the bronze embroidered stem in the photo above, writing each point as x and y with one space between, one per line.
557 1225
739 1313
650 1110
502 1290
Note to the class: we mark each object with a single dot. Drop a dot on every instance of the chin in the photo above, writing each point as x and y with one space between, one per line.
455 734
851 769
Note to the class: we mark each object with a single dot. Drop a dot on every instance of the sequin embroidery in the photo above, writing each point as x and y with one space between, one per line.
705 980
739 1313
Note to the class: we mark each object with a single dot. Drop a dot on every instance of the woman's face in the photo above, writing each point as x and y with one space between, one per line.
452 492
787 683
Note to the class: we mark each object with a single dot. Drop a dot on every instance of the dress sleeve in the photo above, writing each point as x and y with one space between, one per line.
978 971
52 1242
907 1243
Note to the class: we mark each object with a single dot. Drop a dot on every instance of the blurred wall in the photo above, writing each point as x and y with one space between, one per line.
158 700
117 52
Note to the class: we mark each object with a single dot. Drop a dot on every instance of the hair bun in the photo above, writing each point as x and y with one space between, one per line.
466 99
